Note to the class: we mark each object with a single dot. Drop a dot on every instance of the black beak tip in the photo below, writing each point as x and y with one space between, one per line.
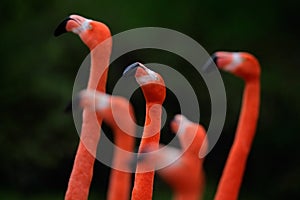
131 69
68 108
61 28
210 64
75 104
214 58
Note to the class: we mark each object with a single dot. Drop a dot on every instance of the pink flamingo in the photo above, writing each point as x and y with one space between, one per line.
92 33
154 91
245 66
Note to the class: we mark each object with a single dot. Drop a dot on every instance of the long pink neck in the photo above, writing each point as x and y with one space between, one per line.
82 172
229 185
120 181
143 183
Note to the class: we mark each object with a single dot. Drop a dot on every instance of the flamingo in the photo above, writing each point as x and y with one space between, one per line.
154 91
92 33
245 66
185 175
123 125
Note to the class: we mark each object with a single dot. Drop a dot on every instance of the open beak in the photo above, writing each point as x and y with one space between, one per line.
75 104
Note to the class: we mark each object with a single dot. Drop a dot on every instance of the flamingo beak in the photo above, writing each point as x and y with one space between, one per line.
61 28
210 63
142 74
214 57
131 69
73 104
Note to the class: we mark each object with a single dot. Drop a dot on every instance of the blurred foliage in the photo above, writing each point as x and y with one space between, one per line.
38 141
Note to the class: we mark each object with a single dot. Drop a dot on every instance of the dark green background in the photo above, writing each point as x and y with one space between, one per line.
38 141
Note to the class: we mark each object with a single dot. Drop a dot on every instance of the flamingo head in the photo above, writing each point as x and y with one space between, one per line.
116 111
93 100
179 124
152 83
191 135
91 32
241 64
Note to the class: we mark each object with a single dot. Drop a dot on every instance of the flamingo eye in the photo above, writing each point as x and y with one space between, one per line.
152 74
87 25
237 59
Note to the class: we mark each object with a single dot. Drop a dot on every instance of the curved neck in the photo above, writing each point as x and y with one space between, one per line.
249 114
143 183
229 185
152 123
